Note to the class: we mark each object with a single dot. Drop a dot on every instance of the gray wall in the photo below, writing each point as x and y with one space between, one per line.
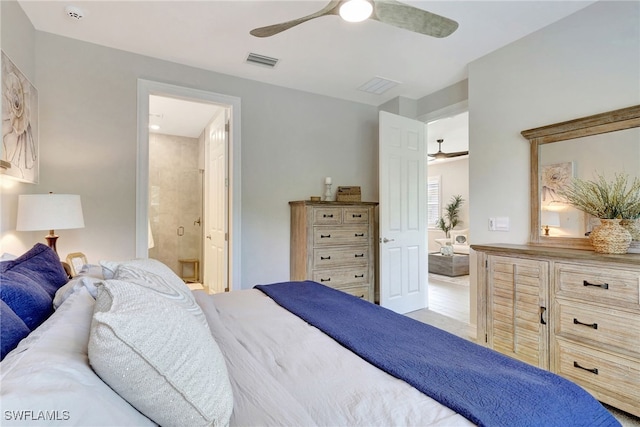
291 140
585 64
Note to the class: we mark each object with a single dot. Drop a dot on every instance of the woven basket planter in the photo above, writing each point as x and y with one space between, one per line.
633 227
610 237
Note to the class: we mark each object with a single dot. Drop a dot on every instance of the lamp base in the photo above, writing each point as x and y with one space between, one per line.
51 240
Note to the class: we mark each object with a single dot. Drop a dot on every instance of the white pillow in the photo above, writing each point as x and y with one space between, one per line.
74 285
148 264
167 286
460 237
158 357
49 371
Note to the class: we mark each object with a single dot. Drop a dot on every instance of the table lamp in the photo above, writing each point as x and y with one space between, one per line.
49 212
550 219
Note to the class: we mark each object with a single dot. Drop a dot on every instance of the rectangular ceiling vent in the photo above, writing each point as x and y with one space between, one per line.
378 85
265 61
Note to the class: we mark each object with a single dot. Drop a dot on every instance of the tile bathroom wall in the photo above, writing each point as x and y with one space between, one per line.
175 204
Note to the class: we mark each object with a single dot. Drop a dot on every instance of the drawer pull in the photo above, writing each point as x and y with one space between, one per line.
592 370
359 276
326 280
325 236
327 216
359 234
359 255
357 215
601 285
329 257
361 296
542 311
591 325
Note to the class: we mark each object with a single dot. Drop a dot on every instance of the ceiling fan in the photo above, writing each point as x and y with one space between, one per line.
390 12
441 155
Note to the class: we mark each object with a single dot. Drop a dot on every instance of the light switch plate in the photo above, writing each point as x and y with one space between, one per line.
502 223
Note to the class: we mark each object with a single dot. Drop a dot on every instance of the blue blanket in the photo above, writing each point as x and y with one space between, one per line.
484 386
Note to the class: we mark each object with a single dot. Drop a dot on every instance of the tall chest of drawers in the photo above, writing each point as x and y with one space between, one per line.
588 311
332 243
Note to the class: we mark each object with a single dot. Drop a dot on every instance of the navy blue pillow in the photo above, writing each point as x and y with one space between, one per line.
13 329
29 283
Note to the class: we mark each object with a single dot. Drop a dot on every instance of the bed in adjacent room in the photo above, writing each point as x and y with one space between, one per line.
129 344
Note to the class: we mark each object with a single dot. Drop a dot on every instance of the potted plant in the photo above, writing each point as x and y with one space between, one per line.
451 216
611 202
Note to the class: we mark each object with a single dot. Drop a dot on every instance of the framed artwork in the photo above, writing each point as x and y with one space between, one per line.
20 149
554 178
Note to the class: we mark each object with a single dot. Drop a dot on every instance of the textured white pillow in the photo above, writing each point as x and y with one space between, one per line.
147 264
49 371
159 357
167 286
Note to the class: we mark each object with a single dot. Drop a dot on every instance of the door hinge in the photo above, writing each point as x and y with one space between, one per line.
226 127
486 263
226 237
486 338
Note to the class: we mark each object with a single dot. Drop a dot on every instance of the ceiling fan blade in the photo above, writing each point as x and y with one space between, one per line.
411 18
457 154
330 9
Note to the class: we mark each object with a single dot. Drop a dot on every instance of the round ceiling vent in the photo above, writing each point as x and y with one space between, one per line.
74 12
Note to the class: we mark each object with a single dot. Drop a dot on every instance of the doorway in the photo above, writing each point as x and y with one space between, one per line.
177 183
449 177
185 180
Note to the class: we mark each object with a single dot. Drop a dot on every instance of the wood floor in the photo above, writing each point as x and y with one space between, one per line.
450 297
448 305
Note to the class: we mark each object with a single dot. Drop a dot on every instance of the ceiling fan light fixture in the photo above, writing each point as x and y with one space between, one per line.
356 10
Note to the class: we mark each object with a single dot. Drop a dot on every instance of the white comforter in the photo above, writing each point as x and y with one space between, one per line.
285 372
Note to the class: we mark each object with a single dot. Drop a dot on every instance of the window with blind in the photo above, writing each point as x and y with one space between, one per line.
433 200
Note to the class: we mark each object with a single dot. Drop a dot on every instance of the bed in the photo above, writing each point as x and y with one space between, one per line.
127 343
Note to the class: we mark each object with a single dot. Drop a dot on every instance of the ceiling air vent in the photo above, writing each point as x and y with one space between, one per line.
265 61
378 85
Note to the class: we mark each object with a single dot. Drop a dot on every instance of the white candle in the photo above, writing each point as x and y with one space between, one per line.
327 180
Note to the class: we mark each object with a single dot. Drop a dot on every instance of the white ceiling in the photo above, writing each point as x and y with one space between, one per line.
179 117
325 56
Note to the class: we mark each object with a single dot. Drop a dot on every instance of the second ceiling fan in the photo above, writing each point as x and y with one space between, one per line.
390 12
442 155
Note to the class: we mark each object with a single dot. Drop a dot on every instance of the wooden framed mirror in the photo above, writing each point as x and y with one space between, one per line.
592 152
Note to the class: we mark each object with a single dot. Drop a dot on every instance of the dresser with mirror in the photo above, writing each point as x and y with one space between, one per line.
554 302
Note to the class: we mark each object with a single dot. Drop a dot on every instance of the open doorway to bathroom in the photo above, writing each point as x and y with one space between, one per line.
188 166
177 130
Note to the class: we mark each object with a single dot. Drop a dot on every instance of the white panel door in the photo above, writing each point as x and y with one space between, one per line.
216 202
403 213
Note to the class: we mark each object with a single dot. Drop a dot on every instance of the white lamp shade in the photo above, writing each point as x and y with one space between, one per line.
550 218
49 212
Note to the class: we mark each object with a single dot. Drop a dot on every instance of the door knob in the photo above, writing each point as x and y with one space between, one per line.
208 236
385 240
